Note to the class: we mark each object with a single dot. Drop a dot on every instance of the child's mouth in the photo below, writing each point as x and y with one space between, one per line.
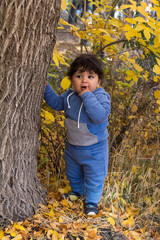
83 88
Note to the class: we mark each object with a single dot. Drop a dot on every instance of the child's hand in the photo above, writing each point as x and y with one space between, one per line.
46 83
83 91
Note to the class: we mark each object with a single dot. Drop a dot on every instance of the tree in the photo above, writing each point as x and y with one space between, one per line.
27 37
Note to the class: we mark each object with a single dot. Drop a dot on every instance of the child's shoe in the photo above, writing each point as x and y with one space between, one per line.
90 209
71 196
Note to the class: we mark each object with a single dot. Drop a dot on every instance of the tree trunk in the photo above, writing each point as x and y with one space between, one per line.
27 38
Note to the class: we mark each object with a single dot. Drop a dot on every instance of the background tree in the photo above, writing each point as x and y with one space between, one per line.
27 37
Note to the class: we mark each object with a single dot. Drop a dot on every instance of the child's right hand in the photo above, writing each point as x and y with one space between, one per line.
46 83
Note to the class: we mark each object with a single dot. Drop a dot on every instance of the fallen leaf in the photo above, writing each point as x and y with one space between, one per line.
1 234
19 227
18 237
129 222
111 221
61 220
132 211
92 233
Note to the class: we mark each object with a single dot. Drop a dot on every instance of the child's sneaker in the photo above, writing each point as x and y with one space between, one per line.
90 209
71 196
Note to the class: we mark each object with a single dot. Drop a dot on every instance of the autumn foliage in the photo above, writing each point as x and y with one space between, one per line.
130 50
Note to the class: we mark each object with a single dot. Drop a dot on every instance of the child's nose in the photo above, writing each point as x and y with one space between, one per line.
84 79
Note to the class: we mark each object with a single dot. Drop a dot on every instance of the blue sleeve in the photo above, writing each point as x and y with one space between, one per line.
97 107
54 100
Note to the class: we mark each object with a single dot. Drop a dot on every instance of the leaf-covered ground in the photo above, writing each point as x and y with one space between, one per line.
61 219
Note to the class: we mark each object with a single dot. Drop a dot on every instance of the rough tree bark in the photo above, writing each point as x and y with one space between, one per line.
27 38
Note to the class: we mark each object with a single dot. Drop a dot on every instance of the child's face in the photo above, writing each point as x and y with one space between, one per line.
85 81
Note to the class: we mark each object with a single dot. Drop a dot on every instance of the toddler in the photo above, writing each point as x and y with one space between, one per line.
86 107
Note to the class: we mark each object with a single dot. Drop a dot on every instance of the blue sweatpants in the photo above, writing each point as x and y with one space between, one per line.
86 169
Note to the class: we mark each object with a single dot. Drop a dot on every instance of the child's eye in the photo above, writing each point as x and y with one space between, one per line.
90 76
78 76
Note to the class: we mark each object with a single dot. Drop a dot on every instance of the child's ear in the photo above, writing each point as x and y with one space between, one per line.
99 83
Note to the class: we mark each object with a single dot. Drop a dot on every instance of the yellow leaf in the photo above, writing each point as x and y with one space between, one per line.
60 27
157 110
127 27
132 211
131 117
63 5
152 25
145 75
129 222
134 169
61 220
142 11
156 69
157 94
18 237
155 2
158 61
72 5
143 230
135 235
73 198
158 14
122 200
158 102
157 40
65 83
134 108
144 5
62 190
129 34
93 233
66 203
111 221
48 116
138 68
63 22
19 227
51 213
1 234
55 235
131 20
49 233
148 201
156 78
124 7
140 19
147 34
61 123
158 118
140 27
55 60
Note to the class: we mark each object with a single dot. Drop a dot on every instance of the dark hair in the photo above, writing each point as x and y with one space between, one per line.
86 62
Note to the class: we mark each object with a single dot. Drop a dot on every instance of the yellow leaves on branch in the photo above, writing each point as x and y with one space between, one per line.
59 58
131 75
63 5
